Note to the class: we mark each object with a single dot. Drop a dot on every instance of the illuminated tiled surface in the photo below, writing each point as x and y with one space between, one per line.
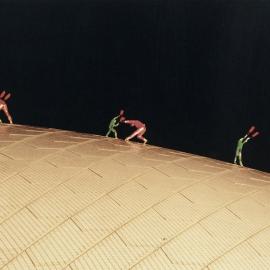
80 201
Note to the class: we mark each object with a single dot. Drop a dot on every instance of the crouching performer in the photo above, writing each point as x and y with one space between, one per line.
140 129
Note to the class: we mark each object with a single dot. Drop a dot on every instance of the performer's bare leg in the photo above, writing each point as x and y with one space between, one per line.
139 132
134 134
140 136
5 109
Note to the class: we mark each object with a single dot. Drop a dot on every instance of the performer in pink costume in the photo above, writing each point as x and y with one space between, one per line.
3 105
141 129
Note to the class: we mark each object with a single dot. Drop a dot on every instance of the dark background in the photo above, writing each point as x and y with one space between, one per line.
196 72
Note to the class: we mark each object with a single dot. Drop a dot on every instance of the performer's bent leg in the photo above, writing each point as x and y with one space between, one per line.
134 134
140 136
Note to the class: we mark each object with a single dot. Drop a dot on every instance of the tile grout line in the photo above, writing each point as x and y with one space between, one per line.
194 224
63 221
145 210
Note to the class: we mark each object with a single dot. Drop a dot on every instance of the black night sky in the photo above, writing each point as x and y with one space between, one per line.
195 71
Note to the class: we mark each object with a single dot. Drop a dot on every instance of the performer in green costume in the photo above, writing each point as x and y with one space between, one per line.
113 124
238 154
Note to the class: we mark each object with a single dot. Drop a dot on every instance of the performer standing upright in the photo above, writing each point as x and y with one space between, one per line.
238 154
3 105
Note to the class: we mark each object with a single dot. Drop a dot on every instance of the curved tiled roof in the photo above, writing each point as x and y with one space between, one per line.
80 201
